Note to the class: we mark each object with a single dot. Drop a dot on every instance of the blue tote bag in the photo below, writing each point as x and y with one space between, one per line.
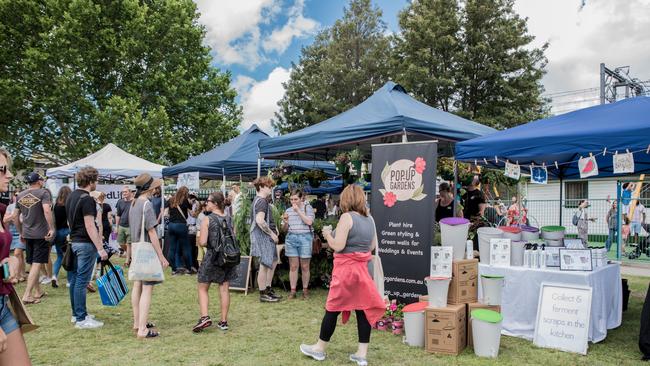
111 285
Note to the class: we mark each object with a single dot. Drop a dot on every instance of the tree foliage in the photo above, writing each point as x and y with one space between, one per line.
475 60
345 65
77 74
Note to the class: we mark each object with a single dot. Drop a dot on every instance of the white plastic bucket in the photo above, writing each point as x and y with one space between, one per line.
486 335
517 253
414 324
492 287
437 288
529 235
453 233
510 232
484 236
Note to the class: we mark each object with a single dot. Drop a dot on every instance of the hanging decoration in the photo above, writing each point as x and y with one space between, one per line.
623 163
512 170
588 167
538 175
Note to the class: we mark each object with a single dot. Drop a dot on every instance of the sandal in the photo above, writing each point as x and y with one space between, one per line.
32 301
149 326
44 294
150 334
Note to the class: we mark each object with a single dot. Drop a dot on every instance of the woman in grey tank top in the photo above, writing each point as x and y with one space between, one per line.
351 288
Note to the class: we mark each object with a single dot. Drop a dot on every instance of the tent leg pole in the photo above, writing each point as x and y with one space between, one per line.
259 167
561 186
223 184
455 189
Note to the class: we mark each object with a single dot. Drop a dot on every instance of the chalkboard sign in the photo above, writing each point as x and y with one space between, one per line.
243 275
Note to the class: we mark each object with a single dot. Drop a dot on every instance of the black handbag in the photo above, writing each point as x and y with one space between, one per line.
229 252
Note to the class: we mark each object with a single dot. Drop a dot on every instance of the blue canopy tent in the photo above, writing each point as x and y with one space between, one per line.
239 158
558 142
389 115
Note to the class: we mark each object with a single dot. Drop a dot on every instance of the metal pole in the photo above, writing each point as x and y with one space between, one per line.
561 188
455 189
602 83
223 184
618 220
259 166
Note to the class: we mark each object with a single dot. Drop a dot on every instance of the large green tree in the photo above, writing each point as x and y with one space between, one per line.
475 60
345 65
77 74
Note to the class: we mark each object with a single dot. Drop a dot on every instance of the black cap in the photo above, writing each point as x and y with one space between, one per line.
33 177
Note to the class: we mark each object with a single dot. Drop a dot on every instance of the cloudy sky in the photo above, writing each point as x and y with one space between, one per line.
258 39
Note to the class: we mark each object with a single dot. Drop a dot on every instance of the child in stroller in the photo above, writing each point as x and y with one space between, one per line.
643 246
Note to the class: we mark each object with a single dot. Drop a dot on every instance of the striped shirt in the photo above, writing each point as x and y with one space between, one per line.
296 225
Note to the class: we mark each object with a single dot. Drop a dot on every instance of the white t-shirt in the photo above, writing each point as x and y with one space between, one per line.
639 210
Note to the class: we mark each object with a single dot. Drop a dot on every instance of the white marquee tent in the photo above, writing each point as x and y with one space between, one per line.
112 163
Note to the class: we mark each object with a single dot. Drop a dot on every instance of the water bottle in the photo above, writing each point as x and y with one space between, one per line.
534 257
527 251
542 256
470 249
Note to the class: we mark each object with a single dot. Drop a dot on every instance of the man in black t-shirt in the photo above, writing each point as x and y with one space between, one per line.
86 245
473 201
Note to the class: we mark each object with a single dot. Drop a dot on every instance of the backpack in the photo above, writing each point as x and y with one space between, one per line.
229 253
576 218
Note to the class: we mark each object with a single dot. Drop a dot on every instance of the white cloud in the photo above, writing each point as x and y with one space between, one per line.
296 27
233 29
613 32
259 98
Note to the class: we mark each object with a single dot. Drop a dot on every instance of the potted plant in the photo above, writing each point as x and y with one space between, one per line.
397 325
341 161
315 177
356 157
277 174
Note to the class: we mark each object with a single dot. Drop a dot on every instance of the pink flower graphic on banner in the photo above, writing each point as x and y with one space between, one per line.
389 199
420 165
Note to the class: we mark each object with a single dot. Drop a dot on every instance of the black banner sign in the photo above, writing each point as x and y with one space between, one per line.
403 206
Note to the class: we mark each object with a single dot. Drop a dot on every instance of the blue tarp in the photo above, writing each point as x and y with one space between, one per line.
239 157
383 117
329 186
620 126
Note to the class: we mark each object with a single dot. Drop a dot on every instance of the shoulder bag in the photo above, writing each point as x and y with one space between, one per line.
316 243
145 265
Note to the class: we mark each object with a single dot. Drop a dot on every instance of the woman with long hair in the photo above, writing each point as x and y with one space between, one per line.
142 210
352 287
13 350
62 231
212 269
180 251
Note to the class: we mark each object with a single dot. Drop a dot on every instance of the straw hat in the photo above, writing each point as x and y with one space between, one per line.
145 182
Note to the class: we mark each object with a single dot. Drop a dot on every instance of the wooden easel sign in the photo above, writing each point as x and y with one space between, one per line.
243 275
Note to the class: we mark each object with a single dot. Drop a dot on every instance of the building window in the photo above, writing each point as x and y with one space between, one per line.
575 191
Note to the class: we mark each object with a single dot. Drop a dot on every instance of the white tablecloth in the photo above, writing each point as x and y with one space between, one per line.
521 294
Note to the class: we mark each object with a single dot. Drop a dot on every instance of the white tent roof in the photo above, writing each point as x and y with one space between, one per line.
111 162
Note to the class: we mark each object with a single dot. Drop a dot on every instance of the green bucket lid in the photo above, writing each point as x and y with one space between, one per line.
486 315
492 276
553 228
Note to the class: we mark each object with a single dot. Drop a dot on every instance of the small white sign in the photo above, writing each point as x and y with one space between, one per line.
563 314
189 180
575 260
552 256
588 167
512 170
441 259
500 252
623 163
574 244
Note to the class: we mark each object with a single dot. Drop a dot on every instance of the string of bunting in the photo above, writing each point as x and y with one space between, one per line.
588 166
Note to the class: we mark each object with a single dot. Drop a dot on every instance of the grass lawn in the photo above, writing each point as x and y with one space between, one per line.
269 334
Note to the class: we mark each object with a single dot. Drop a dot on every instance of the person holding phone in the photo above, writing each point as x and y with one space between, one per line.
13 350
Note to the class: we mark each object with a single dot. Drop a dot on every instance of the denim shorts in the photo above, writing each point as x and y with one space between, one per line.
635 228
298 245
7 321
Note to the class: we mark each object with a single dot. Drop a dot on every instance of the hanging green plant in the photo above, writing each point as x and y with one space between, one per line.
315 177
341 160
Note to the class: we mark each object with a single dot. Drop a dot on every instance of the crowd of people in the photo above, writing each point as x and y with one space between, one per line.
82 222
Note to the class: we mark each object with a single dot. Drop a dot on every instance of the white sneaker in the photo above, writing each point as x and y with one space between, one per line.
46 280
74 318
88 323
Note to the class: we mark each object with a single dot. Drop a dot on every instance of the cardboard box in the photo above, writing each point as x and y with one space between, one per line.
474 306
445 329
463 288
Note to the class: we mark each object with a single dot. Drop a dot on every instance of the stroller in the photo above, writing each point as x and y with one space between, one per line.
642 247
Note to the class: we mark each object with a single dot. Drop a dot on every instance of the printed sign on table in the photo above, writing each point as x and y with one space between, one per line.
441 259
402 204
588 167
623 163
575 260
563 315
189 180
500 252
538 175
512 170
